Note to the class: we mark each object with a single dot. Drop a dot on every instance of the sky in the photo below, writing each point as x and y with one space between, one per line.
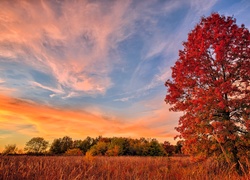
94 68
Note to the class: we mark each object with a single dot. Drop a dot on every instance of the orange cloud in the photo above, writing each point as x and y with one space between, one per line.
31 119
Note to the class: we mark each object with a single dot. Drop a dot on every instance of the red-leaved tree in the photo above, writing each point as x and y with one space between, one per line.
211 85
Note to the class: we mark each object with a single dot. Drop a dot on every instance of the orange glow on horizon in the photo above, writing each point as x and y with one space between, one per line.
31 119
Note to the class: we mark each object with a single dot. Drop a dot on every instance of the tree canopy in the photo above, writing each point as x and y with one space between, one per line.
36 145
61 145
211 85
99 146
10 149
115 146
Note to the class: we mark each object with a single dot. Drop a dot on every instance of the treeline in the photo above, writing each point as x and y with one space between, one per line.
100 146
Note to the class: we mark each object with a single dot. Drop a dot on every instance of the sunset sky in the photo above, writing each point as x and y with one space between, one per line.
89 68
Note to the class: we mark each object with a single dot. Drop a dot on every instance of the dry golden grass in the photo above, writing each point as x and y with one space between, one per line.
120 168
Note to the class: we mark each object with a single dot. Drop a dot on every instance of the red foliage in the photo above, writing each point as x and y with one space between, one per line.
210 82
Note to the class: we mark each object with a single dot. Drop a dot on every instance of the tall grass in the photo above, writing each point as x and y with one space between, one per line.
120 168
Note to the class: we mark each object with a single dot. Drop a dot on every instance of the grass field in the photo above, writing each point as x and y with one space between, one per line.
113 168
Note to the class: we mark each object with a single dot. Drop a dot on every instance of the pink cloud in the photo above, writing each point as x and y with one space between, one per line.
74 47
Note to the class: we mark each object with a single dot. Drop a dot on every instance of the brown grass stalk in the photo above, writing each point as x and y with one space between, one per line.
122 168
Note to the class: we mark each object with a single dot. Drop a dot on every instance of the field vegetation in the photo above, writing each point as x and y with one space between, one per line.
100 167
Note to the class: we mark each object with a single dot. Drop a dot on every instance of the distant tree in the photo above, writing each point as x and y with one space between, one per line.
61 145
135 149
99 149
104 139
104 146
87 143
140 147
36 145
77 143
10 149
169 148
113 151
211 85
178 147
119 146
66 143
145 147
155 149
55 147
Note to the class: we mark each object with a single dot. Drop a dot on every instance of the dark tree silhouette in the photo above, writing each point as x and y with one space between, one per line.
10 149
61 145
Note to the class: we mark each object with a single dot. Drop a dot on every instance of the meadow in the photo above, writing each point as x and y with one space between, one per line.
113 168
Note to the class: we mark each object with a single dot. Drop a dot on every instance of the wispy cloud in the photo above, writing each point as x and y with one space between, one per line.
58 90
75 42
124 99
164 43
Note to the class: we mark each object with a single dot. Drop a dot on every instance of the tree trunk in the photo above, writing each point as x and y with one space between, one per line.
236 160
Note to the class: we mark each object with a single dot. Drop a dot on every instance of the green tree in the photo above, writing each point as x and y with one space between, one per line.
10 149
36 145
119 146
66 143
210 84
99 149
61 145
86 144
55 147
155 149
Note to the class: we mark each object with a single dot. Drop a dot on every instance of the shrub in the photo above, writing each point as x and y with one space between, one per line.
74 152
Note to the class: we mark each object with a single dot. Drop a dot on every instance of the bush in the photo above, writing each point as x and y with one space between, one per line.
74 152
